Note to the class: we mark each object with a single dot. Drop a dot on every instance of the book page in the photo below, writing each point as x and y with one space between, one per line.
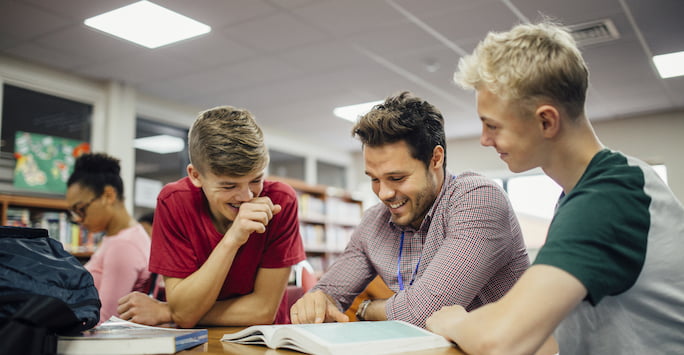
341 338
356 332
256 334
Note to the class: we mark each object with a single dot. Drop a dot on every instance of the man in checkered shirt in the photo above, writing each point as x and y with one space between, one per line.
435 239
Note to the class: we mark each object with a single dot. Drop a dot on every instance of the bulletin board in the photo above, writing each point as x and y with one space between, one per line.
44 163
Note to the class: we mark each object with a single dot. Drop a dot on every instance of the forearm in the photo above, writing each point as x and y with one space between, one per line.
190 298
520 322
246 310
337 284
259 307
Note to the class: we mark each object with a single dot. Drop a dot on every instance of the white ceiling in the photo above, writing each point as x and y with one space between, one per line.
291 62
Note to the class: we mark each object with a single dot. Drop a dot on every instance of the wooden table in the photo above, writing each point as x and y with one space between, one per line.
216 346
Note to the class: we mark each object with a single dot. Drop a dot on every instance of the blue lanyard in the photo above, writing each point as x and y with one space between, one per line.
413 275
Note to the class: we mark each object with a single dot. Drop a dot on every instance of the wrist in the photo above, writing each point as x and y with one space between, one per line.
361 311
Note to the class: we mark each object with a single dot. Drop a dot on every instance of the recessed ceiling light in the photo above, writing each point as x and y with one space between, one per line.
161 144
147 24
670 65
352 112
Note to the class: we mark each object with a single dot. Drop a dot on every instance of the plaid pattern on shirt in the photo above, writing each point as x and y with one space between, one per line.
471 246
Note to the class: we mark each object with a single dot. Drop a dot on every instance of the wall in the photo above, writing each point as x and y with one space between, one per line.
116 105
655 138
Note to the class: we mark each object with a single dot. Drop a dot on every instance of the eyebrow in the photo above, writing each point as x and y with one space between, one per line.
223 182
389 173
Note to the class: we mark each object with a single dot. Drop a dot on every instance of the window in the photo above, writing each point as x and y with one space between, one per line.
153 170
31 111
286 165
41 115
534 199
331 175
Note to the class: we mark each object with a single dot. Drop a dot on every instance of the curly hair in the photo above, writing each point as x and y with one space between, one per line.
97 170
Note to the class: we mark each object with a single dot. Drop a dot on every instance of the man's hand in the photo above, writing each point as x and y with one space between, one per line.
253 217
316 307
442 322
140 308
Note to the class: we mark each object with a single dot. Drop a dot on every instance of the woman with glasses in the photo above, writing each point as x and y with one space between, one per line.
95 198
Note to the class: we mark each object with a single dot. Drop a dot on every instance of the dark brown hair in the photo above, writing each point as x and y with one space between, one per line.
404 117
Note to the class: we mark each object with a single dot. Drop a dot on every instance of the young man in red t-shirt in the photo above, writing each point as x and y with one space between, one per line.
223 238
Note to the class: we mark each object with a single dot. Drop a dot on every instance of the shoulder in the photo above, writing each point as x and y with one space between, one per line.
470 180
134 236
178 188
611 182
279 192
470 186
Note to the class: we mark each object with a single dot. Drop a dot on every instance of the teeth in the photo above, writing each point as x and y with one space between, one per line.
397 205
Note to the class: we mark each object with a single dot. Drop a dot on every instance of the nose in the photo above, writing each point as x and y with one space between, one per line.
385 192
245 194
485 139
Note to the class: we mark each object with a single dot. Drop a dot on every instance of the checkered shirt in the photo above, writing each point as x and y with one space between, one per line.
470 248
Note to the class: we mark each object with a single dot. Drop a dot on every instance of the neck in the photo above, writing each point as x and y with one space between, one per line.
120 220
571 154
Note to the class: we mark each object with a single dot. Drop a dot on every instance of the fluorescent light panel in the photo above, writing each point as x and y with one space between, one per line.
161 144
352 112
670 65
147 24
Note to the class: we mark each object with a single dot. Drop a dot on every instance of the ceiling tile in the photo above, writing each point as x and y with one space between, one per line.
25 21
341 18
261 33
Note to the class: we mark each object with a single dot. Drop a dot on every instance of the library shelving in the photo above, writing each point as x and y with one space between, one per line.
49 213
327 218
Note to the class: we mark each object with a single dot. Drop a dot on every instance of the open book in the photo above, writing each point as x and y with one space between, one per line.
117 336
381 337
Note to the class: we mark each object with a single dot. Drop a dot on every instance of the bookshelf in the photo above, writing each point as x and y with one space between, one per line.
48 213
327 218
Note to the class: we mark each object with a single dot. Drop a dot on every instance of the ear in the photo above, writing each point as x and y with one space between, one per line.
194 176
549 118
437 160
109 193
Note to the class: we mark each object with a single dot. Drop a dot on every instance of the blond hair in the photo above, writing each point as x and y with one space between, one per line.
227 141
529 63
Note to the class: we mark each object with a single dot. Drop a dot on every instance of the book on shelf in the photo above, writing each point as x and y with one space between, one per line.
379 337
18 217
117 336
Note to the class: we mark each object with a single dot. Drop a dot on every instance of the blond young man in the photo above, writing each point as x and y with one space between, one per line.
608 280
223 238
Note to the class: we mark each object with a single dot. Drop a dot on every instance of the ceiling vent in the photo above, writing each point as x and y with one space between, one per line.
594 32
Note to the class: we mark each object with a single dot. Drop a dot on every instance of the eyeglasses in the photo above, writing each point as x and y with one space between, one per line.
80 211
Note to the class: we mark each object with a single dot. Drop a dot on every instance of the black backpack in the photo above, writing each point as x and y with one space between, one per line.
44 292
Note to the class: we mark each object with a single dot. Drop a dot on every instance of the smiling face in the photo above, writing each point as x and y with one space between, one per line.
225 194
518 140
404 184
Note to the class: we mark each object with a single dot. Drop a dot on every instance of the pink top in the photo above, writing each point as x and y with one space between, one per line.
119 266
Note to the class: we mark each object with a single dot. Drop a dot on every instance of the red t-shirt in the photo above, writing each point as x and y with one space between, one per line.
183 237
